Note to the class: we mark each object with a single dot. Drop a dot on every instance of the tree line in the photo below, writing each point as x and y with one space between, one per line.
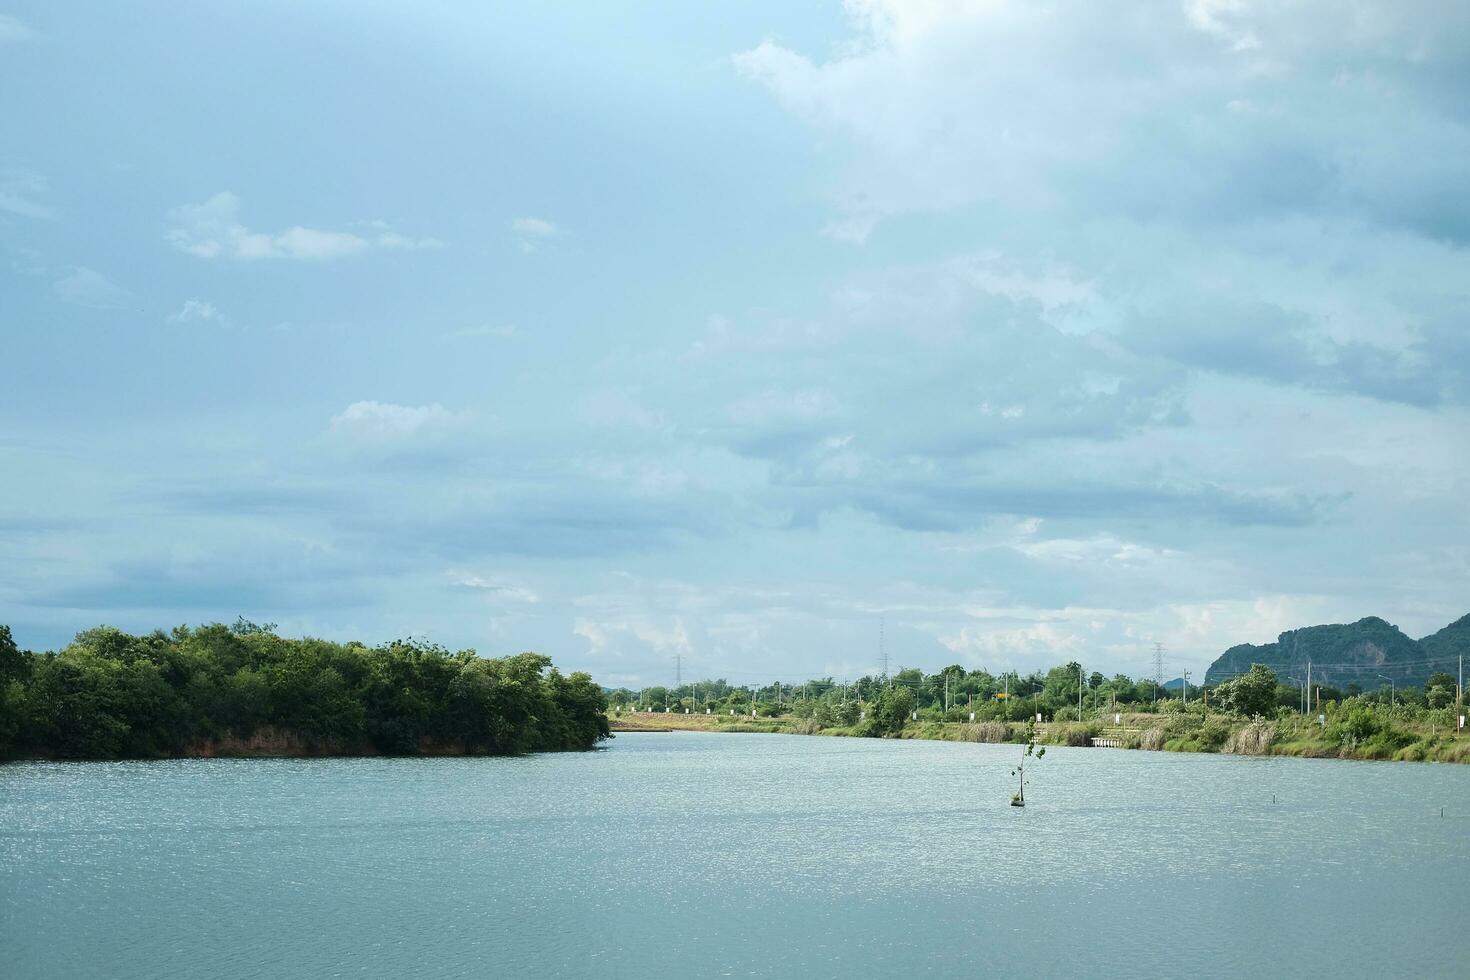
880 705
110 695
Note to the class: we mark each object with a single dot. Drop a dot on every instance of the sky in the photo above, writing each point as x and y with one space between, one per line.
1023 332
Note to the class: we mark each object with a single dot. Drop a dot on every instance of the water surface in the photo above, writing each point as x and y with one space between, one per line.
690 854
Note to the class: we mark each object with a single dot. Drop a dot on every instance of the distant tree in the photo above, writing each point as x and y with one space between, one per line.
12 661
1252 693
891 711
1439 690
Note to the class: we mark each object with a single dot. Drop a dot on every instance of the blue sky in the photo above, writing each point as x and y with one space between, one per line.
1038 331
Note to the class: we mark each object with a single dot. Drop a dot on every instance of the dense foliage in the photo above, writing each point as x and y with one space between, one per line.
113 695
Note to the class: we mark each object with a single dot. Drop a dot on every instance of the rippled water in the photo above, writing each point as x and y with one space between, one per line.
734 855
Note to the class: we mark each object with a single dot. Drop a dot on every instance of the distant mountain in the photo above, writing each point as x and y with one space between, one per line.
1452 641
1347 653
1176 684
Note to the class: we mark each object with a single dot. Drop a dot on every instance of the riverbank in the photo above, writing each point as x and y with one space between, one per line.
1295 736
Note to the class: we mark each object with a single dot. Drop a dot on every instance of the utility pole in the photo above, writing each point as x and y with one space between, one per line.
1186 689
1309 686
1081 683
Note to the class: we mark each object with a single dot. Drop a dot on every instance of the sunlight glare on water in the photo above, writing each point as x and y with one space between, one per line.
733 855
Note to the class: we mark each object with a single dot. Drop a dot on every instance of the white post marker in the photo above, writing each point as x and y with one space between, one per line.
972 716
1322 720
1117 718
1038 716
1462 721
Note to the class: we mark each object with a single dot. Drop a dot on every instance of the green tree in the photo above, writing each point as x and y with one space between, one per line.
109 694
891 711
1250 694
1439 690
14 667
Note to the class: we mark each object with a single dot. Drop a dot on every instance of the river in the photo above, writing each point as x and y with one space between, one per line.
702 855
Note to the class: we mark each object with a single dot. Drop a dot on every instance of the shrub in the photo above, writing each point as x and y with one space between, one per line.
1355 726
1385 743
1152 740
1212 734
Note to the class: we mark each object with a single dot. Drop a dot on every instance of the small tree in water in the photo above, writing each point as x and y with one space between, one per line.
1018 798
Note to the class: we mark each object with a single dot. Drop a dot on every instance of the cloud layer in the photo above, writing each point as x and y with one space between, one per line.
1033 331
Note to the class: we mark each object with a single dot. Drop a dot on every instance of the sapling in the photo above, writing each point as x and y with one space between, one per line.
1032 750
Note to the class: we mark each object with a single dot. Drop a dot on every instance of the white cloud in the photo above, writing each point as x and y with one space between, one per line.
1101 549
1070 109
532 232
499 589
1038 640
88 287
12 30
535 227
637 631
1052 289
17 190
384 420
212 229
196 310
594 634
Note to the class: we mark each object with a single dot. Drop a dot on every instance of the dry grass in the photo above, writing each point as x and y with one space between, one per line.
1254 738
988 731
1152 740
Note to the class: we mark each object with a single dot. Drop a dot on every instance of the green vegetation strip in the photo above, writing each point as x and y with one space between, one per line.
243 690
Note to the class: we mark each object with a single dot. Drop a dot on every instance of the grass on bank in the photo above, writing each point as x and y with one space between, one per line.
1347 734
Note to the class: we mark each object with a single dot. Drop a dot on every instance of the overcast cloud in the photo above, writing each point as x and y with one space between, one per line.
1037 331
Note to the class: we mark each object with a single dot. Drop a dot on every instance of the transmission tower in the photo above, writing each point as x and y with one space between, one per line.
1158 667
882 649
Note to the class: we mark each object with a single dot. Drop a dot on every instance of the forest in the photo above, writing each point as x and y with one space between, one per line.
242 689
